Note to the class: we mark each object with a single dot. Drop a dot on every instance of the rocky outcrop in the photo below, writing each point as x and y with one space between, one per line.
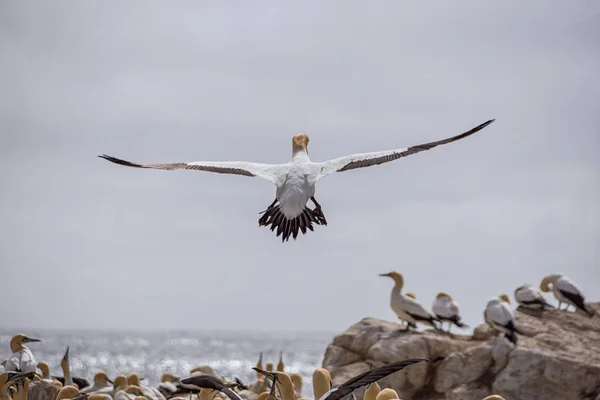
558 358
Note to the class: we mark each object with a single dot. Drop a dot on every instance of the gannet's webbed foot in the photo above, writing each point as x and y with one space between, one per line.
269 213
318 212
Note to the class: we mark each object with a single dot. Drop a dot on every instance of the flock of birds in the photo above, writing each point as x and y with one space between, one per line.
498 312
23 377
27 379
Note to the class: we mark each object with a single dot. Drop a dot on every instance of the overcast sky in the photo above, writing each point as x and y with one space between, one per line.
89 244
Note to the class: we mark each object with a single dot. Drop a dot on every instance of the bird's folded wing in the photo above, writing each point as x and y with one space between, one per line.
564 285
414 308
500 315
363 160
271 172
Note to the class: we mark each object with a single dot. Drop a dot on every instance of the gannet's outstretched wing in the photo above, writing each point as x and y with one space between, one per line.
271 172
363 160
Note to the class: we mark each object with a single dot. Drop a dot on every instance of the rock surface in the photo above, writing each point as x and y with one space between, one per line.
558 359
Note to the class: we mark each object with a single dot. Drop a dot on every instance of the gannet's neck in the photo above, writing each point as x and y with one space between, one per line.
300 155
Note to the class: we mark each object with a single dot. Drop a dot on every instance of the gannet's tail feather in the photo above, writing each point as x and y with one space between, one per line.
290 227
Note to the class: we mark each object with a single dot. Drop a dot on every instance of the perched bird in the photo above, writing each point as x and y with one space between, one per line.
446 309
529 297
499 315
565 291
213 383
295 180
365 378
168 385
407 308
22 359
101 382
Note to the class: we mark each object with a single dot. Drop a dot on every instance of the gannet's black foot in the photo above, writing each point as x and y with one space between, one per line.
318 211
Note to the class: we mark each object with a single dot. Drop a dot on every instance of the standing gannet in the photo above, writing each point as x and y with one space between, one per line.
565 291
499 315
446 309
295 180
407 308
22 359
529 297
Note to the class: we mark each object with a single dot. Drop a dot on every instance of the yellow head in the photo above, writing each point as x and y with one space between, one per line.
18 341
45 369
372 391
505 297
443 294
300 142
133 379
411 295
396 276
387 394
494 397
321 380
169 377
269 366
547 281
120 382
67 392
101 378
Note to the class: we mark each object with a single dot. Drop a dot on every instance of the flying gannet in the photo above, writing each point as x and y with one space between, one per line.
295 180
407 307
565 291
529 297
499 315
446 309
22 359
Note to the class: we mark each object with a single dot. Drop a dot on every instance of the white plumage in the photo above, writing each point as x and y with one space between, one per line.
446 308
565 291
500 316
22 358
295 181
529 297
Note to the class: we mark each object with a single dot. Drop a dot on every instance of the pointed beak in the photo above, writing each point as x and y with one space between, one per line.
388 274
109 381
66 356
27 339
